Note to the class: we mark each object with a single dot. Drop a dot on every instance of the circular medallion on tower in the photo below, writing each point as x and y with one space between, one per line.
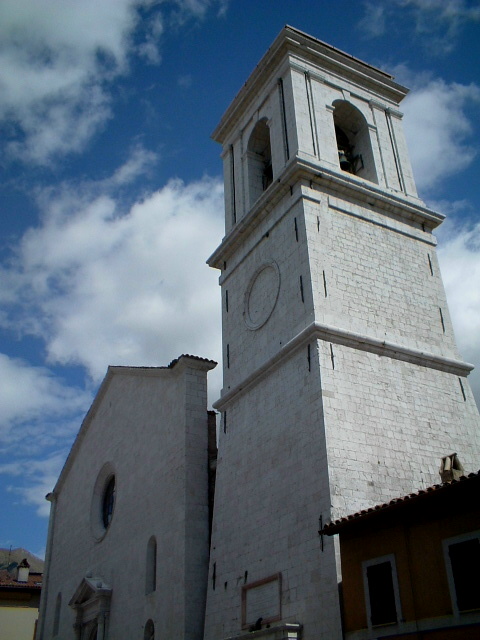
261 295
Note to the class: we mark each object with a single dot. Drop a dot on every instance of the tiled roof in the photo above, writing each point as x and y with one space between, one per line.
8 581
187 355
446 488
168 366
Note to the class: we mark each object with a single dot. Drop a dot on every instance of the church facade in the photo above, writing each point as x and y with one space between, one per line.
127 554
343 387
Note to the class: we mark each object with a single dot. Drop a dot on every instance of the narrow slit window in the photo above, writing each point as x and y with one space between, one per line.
56 619
151 566
441 319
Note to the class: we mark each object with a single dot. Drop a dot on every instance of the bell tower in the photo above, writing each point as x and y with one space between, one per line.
343 387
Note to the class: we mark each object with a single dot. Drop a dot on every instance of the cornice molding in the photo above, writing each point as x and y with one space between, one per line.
331 182
327 333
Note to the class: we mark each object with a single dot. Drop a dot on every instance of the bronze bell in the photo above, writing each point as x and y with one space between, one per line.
345 163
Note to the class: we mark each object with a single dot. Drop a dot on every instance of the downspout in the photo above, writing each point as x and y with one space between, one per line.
52 498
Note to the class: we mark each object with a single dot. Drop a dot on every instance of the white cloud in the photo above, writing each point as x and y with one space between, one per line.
459 256
101 286
27 395
437 127
57 60
437 23
373 22
54 57
138 163
39 477
441 20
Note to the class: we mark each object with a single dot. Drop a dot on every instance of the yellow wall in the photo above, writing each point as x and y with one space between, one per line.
17 623
422 577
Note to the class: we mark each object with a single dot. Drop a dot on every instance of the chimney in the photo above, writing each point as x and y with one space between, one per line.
451 468
23 571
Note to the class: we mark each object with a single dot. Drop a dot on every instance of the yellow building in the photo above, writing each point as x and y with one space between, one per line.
410 568
19 602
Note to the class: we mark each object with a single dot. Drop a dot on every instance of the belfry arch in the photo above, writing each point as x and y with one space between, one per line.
259 160
354 146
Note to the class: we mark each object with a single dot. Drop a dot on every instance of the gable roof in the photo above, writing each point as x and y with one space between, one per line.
185 360
89 588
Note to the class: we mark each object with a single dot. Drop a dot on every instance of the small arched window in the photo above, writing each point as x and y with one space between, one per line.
56 617
149 633
108 502
259 153
151 566
354 147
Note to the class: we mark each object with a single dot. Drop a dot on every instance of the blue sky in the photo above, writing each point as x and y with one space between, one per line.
111 196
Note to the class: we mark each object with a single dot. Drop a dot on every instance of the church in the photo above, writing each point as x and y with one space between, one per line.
342 384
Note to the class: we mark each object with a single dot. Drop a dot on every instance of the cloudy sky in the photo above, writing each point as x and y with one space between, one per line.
111 195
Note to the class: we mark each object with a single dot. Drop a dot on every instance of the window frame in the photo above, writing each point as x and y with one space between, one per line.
446 543
390 558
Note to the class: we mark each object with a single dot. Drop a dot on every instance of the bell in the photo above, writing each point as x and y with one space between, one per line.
345 163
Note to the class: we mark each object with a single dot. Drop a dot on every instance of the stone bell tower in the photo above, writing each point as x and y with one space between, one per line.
343 386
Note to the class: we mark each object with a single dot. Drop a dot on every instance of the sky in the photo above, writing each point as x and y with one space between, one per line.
111 195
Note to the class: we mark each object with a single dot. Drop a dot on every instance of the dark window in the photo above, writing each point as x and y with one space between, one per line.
381 594
108 502
56 618
355 154
259 154
149 633
465 563
151 566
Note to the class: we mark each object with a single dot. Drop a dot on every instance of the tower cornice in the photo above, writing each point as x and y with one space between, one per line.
315 175
323 56
336 335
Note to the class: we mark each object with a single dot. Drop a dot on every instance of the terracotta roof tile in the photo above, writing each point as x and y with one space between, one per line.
7 580
334 527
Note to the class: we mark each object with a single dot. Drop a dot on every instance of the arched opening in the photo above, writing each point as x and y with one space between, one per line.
151 566
56 617
259 154
149 633
354 147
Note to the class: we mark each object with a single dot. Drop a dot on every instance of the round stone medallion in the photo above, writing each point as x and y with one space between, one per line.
261 295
